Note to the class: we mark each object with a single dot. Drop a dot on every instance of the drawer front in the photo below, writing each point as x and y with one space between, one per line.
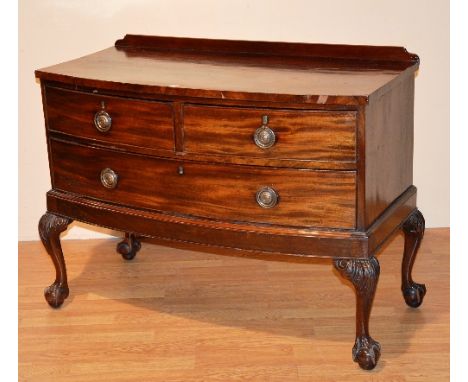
306 198
138 123
304 135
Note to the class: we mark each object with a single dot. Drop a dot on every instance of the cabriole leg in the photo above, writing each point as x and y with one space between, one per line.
413 228
50 228
364 274
129 247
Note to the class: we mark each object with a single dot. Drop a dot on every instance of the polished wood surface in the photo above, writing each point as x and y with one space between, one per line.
133 122
320 199
362 55
389 140
413 229
129 246
180 164
308 135
355 72
293 243
364 275
263 240
178 315
50 228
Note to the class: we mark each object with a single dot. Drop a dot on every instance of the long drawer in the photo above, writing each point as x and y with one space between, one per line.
112 120
328 136
304 198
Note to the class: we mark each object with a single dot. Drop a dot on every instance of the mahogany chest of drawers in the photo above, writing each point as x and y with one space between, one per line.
273 149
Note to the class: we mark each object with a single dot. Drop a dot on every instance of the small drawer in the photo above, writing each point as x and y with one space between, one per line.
288 197
328 136
110 119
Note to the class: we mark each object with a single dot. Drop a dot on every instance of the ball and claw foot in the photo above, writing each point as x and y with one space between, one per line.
129 247
50 228
56 294
413 229
414 294
366 352
364 275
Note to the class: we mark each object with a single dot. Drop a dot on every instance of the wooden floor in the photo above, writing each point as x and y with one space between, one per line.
179 315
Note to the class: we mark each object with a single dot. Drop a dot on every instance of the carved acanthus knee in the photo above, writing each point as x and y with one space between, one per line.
364 274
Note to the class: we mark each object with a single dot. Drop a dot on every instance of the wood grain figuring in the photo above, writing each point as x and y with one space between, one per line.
179 154
265 241
321 199
389 140
137 123
160 73
391 219
180 163
179 315
268 242
279 102
363 55
313 135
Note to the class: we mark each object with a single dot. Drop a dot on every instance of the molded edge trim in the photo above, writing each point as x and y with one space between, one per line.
260 239
254 238
391 220
157 91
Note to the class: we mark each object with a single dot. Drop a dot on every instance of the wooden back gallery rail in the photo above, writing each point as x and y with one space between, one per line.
277 150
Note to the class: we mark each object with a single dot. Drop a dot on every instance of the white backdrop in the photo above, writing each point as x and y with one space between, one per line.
52 31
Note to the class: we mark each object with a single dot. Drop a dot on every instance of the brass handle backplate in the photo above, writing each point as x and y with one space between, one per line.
264 136
267 197
109 178
102 120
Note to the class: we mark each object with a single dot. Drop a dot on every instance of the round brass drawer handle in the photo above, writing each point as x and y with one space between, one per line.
109 178
267 197
102 121
264 137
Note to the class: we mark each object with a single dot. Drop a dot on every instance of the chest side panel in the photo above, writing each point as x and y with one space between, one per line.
388 146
